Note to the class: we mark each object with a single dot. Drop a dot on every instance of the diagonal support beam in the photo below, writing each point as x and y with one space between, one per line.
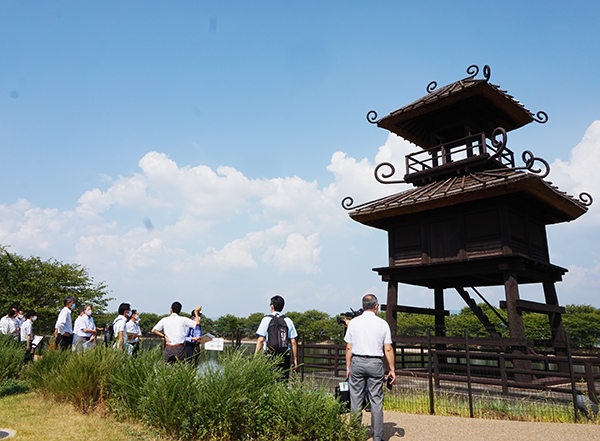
477 311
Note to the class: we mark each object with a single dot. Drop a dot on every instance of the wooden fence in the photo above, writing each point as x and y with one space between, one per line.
506 364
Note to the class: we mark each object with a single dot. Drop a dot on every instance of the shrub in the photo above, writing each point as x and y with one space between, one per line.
128 379
42 373
305 412
13 387
12 356
169 399
78 378
232 396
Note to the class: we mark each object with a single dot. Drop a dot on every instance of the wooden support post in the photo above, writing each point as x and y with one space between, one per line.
515 320
556 324
591 385
557 328
440 319
392 301
516 326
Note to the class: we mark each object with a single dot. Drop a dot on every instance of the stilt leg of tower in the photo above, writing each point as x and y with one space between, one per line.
556 323
392 302
515 323
440 319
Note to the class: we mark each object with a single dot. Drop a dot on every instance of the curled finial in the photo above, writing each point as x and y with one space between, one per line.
586 199
372 116
473 70
541 117
431 87
386 175
487 72
347 203
529 161
498 145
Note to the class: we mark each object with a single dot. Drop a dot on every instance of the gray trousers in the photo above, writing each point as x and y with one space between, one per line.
369 372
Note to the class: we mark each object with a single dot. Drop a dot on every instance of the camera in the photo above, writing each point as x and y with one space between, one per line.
341 318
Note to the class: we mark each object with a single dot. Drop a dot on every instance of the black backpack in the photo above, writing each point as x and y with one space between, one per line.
277 335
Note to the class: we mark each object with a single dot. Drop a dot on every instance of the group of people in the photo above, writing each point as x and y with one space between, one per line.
368 342
83 334
19 325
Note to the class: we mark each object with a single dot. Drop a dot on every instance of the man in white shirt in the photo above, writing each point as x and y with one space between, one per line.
174 329
63 329
27 334
120 324
84 330
368 339
8 325
133 332
20 318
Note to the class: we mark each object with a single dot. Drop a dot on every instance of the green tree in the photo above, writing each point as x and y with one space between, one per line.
227 324
582 323
41 285
251 323
316 326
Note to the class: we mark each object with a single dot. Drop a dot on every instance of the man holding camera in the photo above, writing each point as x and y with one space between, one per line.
368 339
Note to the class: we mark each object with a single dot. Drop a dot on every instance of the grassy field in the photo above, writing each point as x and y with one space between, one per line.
39 419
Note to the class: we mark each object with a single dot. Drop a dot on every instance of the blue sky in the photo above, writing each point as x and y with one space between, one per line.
198 150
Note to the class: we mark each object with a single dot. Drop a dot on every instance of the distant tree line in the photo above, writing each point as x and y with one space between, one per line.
32 283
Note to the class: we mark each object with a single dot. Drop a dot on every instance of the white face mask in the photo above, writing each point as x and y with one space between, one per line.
34 318
88 312
127 313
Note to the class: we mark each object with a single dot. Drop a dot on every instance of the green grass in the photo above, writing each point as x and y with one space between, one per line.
35 418
447 403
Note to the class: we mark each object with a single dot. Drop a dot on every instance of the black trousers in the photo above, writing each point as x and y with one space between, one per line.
63 342
285 364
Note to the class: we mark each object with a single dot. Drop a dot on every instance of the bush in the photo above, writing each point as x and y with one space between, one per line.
169 399
304 412
13 387
239 398
127 381
78 378
12 356
232 396
42 373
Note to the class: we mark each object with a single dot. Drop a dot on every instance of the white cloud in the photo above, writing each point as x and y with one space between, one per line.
580 173
298 252
218 230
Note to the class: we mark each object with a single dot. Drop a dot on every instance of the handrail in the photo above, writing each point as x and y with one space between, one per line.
457 150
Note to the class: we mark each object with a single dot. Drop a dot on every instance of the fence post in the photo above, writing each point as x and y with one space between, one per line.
468 357
436 369
503 375
431 397
572 374
301 356
591 385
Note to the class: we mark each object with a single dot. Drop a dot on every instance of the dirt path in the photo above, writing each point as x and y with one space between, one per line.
405 427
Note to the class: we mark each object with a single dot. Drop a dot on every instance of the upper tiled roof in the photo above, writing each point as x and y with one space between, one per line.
455 88
485 105
474 186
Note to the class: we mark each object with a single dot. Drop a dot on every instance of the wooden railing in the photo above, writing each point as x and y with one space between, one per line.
458 150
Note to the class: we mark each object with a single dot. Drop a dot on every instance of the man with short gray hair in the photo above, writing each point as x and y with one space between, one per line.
368 339
63 329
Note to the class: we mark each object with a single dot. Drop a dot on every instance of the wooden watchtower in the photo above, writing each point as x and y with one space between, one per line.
473 218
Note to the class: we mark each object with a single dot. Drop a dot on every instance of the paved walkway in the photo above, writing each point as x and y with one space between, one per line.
405 427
